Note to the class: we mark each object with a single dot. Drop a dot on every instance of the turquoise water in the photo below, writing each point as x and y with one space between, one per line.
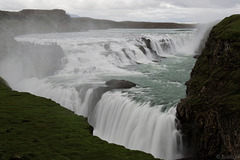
141 118
161 83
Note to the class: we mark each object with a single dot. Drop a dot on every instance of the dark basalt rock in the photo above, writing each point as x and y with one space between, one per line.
125 51
210 114
147 42
107 47
142 49
120 84
165 44
126 54
196 56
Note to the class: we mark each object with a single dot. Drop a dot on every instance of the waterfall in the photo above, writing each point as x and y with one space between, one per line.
118 119
91 58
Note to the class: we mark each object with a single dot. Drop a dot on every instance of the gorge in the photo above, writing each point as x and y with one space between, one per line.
156 60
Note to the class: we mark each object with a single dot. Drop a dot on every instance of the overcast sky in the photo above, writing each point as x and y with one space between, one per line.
135 10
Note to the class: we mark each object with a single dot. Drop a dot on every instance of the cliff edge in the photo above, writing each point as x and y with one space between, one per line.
210 113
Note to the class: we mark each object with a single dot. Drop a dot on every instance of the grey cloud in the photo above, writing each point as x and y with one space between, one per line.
205 3
135 10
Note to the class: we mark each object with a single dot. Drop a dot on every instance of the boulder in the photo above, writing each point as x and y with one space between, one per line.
119 84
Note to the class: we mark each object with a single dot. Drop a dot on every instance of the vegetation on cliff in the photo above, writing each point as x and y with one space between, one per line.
228 29
210 114
37 128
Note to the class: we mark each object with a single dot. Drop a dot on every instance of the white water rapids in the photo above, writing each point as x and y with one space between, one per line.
142 118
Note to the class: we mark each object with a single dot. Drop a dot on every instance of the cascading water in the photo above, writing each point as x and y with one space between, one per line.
120 120
140 118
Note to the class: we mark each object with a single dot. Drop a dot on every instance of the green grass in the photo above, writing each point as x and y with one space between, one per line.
228 29
40 129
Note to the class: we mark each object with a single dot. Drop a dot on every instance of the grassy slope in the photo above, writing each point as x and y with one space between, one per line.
37 128
228 29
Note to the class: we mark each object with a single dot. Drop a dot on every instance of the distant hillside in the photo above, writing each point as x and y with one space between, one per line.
45 21
90 23
86 23
34 21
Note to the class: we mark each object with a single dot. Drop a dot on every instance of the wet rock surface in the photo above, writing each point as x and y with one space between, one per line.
210 114
119 84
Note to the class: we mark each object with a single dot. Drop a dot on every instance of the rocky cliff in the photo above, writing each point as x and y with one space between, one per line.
210 113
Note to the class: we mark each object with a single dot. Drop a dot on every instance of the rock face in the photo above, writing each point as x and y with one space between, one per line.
210 114
147 42
119 84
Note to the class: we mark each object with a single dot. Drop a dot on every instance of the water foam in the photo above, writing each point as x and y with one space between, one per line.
116 117
120 120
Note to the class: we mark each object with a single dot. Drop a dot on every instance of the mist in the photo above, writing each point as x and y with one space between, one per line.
27 60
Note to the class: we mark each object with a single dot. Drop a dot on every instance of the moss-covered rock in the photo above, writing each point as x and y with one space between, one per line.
228 29
210 114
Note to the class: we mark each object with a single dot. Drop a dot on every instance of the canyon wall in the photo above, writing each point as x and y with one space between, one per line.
210 113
